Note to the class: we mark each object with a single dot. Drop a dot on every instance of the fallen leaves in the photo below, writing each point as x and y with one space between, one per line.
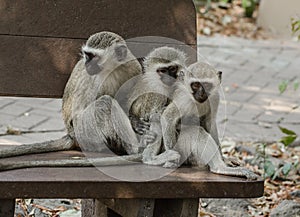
229 19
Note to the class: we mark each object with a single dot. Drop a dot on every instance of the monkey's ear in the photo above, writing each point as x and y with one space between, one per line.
220 76
121 52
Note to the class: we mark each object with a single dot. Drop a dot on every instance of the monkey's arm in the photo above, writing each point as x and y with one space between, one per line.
64 143
169 120
82 162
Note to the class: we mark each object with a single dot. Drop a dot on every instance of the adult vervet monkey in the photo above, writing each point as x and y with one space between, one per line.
194 96
91 116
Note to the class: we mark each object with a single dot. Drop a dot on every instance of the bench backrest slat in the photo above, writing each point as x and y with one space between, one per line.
40 40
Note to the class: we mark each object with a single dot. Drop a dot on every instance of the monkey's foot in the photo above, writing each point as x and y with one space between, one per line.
249 174
232 162
168 159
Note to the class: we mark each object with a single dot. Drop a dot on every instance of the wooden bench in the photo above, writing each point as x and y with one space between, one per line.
39 46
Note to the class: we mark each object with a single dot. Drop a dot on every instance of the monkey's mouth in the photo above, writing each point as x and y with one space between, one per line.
199 97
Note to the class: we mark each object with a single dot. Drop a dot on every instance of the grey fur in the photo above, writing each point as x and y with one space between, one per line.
88 104
197 145
151 96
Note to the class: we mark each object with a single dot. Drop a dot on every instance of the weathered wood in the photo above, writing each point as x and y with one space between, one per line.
37 53
78 19
93 208
176 207
144 207
44 64
129 207
92 183
7 207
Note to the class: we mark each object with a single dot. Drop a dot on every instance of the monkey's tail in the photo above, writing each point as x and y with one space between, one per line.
80 162
62 144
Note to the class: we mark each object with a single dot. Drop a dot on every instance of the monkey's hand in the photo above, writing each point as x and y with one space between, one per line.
139 125
149 137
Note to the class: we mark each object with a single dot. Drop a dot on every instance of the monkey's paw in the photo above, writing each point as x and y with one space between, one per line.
232 162
172 159
140 126
250 175
149 137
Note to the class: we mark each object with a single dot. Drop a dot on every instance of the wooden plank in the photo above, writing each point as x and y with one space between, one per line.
36 66
79 19
7 207
93 183
41 67
176 207
37 53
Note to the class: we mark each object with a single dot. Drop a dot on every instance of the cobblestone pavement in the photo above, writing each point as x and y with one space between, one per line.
252 107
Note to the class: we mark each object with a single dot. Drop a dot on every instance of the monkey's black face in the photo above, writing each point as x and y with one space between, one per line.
91 63
201 90
168 75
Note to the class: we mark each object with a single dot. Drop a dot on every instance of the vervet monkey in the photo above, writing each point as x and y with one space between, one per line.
194 97
91 116
152 94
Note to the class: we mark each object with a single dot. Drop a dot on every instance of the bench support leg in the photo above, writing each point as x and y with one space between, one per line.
117 207
7 208
140 208
176 207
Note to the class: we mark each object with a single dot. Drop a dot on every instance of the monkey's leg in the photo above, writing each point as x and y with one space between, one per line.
64 143
150 157
104 121
204 150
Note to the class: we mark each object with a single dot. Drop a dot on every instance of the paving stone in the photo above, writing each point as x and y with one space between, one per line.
270 116
27 122
47 104
282 105
291 71
46 113
247 113
31 100
15 109
6 118
4 101
51 124
262 100
293 117
287 54
240 95
41 137
228 108
14 140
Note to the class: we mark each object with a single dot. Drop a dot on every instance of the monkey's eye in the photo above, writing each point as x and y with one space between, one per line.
173 69
195 86
162 70
89 56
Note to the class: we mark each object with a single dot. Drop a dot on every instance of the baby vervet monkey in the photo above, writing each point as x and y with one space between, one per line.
152 94
196 96
93 119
